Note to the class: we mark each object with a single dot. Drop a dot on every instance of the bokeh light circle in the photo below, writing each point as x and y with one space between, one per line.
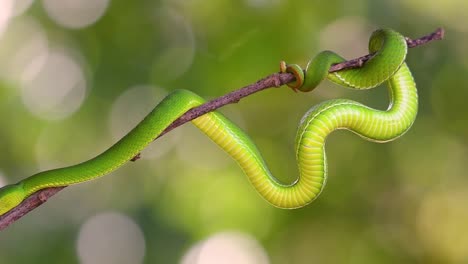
226 248
56 89
75 13
20 6
177 42
195 149
6 10
24 40
130 108
110 238
338 35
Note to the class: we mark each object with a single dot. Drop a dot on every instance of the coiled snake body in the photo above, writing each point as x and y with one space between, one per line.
375 125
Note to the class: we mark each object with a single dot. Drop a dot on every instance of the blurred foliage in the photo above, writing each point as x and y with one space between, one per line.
401 202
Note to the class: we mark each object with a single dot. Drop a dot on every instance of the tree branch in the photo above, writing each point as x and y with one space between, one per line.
273 80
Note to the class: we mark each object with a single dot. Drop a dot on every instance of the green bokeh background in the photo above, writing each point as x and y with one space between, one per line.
401 202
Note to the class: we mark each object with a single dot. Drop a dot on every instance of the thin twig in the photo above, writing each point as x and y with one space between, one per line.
273 80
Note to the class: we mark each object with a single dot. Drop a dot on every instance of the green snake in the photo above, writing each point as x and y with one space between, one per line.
387 64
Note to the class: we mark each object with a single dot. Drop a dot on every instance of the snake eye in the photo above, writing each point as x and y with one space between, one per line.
10 197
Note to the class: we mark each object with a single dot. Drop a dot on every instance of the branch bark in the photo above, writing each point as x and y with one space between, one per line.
273 80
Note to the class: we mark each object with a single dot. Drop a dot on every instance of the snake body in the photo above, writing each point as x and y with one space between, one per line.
386 65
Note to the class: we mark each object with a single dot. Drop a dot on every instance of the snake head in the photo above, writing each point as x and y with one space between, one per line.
10 197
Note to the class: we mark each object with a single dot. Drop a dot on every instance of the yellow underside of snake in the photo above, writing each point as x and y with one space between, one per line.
375 125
